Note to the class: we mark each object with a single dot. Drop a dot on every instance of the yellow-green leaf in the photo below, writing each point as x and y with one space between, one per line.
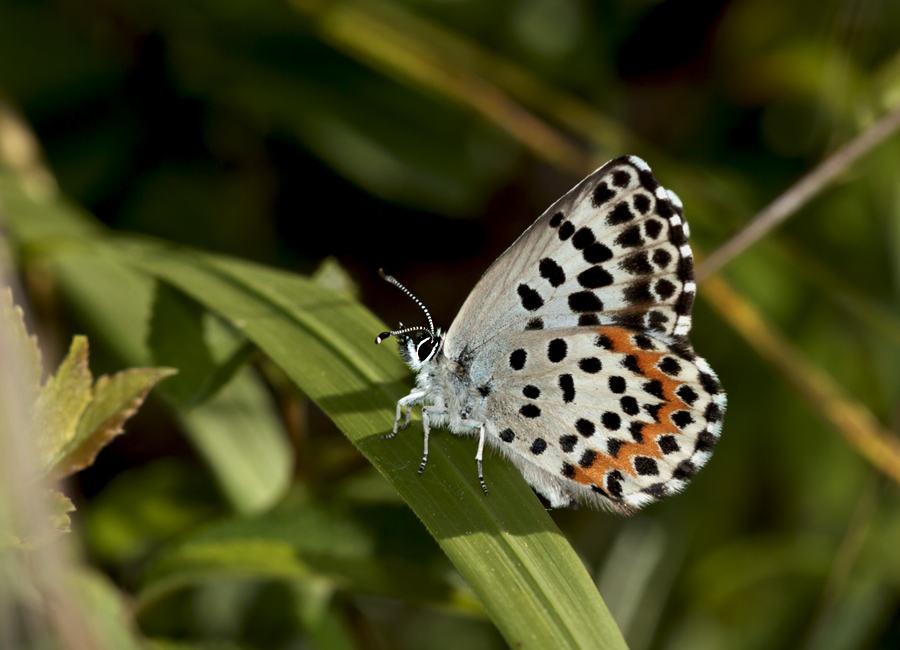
61 403
116 398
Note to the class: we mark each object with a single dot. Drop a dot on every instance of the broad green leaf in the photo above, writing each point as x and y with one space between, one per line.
238 431
303 543
110 624
320 619
139 510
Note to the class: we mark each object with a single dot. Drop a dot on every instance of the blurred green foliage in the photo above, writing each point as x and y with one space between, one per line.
424 136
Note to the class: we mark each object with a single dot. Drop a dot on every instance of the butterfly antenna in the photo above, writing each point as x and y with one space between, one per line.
430 329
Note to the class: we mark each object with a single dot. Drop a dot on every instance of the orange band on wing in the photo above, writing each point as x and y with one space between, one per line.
622 343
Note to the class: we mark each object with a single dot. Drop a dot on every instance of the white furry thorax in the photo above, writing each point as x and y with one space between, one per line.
450 391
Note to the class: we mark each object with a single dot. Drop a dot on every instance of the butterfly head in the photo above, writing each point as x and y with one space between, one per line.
418 345
419 348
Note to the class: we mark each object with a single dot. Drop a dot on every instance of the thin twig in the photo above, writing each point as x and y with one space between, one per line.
800 193
851 418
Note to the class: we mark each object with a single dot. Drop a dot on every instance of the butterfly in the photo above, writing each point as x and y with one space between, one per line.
571 354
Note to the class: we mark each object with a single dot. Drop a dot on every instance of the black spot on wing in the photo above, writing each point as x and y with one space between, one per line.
617 384
583 238
657 320
669 366
630 237
685 471
664 289
567 385
662 258
585 427
687 394
629 405
646 466
636 429
588 458
619 214
710 384
597 253
584 301
652 228
637 264
531 299
601 195
530 411
517 359
551 271
621 178
595 278
638 293
681 419
654 387
668 444
531 392
613 446
713 412
612 421
642 203
643 342
556 350
590 365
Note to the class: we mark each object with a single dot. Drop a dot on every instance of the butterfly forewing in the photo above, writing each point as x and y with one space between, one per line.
612 251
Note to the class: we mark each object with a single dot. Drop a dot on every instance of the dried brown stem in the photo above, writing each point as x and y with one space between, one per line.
800 193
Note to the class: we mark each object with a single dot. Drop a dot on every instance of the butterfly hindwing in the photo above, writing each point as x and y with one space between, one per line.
603 414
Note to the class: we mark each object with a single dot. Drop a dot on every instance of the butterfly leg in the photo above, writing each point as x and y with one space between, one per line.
480 454
426 428
408 402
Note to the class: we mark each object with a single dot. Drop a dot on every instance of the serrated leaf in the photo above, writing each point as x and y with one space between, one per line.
115 399
60 507
61 402
57 507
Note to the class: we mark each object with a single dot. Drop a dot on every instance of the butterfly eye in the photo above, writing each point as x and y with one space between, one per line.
426 348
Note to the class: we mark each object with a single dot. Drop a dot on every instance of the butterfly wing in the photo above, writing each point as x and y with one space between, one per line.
577 338
612 251
603 415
